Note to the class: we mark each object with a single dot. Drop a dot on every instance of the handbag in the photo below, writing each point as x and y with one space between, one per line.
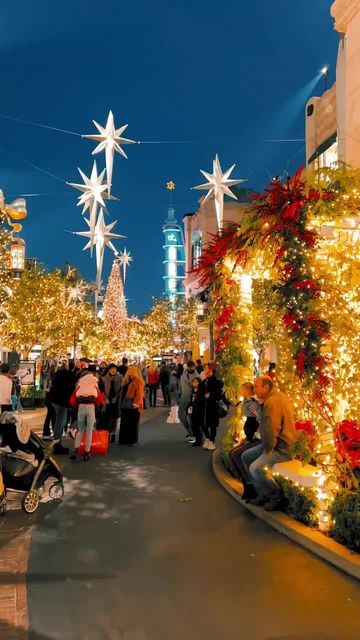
222 409
126 403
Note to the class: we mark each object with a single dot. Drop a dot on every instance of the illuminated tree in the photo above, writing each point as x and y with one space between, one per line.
184 322
115 313
41 311
4 265
157 329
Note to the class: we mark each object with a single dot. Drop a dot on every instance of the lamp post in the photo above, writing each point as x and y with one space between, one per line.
325 72
17 257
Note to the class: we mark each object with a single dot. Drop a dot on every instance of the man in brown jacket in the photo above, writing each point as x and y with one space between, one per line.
277 431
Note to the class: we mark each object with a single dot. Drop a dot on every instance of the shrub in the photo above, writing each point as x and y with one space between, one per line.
345 515
301 503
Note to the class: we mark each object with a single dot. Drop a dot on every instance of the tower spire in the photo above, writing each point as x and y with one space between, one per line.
174 262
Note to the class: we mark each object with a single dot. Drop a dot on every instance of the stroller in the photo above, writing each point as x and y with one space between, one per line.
29 465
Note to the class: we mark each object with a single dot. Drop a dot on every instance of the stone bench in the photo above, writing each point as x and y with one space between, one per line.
303 475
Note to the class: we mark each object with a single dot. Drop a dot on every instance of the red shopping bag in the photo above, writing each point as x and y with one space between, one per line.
99 444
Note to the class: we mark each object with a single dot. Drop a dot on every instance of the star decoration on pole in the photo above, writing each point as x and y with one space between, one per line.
76 293
125 260
170 185
102 238
110 140
218 185
93 193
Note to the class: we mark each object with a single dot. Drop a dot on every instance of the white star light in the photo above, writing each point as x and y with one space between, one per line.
92 196
218 185
76 293
109 140
102 238
125 259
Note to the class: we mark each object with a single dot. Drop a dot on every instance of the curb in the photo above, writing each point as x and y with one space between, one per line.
311 539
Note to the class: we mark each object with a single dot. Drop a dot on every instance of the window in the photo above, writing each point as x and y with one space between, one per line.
196 252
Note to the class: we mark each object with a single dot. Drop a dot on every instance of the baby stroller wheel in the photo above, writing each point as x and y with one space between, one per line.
30 501
56 491
2 505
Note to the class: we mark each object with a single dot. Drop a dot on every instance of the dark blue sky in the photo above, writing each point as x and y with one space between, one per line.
222 74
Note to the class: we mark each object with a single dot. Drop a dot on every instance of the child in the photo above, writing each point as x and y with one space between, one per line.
196 412
250 410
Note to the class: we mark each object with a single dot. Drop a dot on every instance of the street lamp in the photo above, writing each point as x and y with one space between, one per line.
17 257
325 72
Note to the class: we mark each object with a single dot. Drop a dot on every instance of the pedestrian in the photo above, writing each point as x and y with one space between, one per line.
164 378
87 396
250 410
196 412
179 370
62 388
213 393
199 367
277 431
16 388
122 369
153 383
174 386
145 378
50 418
131 406
186 389
5 388
112 381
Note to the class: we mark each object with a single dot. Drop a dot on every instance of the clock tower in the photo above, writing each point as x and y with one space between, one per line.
174 256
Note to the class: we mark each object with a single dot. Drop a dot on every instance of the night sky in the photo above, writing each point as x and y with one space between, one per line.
222 76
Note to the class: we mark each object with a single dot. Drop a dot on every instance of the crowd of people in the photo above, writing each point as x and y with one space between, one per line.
81 397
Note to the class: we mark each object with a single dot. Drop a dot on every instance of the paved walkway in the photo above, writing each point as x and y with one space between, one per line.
146 546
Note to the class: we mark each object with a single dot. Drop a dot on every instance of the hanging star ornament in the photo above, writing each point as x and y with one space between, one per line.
93 193
125 260
110 140
218 185
102 238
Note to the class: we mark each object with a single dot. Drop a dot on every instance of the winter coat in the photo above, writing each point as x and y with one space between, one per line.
116 382
213 387
135 391
62 388
277 425
87 386
154 378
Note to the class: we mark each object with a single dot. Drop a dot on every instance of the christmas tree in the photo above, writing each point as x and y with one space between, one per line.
115 313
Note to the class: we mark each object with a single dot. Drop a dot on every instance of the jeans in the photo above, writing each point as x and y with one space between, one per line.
255 460
236 457
16 404
86 422
183 414
165 388
60 420
152 394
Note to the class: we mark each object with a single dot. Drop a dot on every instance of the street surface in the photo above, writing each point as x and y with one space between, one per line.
147 546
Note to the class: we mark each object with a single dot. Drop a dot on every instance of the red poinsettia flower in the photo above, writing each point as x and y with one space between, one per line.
300 363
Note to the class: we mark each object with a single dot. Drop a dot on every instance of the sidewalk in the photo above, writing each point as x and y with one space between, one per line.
15 537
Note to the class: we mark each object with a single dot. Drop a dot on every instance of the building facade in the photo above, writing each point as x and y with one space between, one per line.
199 227
333 119
174 262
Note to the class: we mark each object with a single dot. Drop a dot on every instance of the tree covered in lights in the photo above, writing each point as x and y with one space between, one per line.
41 310
4 265
115 312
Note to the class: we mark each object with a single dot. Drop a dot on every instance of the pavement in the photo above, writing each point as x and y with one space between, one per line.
147 546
